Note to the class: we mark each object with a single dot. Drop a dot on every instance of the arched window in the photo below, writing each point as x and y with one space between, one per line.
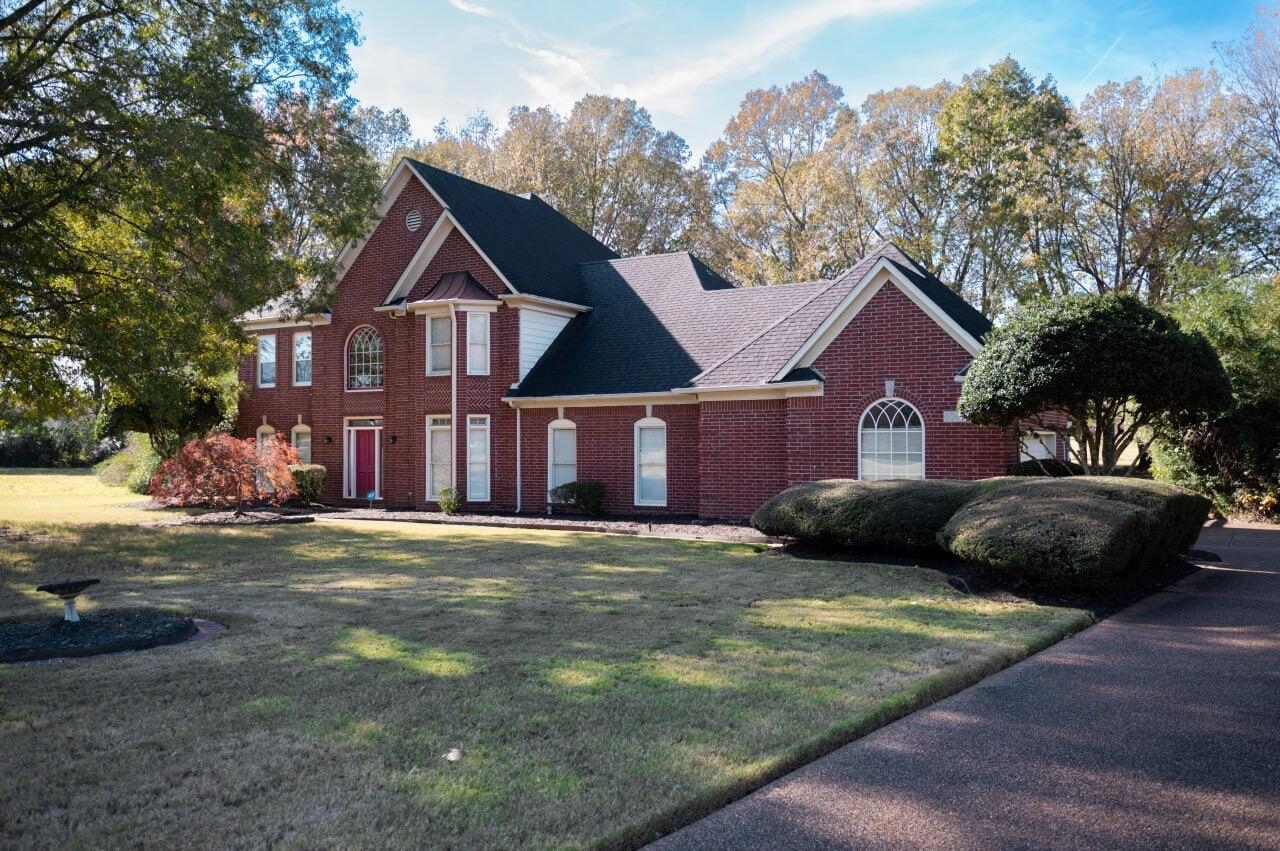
265 433
891 441
364 360
301 437
562 453
651 462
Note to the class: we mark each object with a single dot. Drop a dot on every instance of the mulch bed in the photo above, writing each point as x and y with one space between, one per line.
99 632
249 517
693 530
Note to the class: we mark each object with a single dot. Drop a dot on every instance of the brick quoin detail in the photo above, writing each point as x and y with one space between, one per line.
724 458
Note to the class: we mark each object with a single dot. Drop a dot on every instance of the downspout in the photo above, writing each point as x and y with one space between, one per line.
518 453
453 400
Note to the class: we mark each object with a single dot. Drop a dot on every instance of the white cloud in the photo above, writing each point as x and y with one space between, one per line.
472 8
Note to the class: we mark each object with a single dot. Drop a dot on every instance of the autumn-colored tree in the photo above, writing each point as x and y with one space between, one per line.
222 471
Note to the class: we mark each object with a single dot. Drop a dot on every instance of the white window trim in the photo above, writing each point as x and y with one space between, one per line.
275 346
307 334
552 428
477 320
293 439
430 342
433 495
924 442
346 361
264 431
488 464
1039 437
349 457
649 422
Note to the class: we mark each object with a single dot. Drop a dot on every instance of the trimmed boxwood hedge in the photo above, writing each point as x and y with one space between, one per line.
1046 467
886 515
1083 534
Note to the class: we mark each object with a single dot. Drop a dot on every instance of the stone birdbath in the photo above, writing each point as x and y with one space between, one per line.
67 593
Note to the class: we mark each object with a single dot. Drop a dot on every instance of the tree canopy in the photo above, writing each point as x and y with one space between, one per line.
167 165
1111 365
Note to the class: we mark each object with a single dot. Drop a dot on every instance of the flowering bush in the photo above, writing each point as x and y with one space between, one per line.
222 471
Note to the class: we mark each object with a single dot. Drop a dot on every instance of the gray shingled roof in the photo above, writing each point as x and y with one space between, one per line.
657 324
536 248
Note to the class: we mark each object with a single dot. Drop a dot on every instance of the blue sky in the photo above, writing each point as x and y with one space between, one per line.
690 62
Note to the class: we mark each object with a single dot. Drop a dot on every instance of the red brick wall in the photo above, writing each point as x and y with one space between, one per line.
743 455
606 453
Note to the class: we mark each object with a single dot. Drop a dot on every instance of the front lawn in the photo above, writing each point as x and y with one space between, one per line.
599 687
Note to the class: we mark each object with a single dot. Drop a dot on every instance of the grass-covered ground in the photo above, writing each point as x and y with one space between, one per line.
601 688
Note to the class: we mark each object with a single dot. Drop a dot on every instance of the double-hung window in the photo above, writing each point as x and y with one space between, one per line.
562 461
651 462
478 458
302 358
439 345
267 360
301 437
439 455
477 343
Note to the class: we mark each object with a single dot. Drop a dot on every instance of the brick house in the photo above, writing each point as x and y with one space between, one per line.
480 340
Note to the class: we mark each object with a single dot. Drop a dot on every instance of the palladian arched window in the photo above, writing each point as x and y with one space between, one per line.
891 441
364 360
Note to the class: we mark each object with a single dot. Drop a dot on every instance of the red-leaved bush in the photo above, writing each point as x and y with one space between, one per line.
222 471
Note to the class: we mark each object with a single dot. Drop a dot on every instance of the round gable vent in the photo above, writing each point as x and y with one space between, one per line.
413 220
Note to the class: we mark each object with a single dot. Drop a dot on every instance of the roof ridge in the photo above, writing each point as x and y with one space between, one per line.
775 324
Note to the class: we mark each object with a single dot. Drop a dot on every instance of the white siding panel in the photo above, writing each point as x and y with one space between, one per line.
537 331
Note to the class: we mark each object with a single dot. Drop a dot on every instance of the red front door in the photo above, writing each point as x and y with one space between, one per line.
366 462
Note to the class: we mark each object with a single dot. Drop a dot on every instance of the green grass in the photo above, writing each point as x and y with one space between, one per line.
602 688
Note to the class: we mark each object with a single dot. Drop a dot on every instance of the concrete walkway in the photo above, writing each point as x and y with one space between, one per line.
1157 728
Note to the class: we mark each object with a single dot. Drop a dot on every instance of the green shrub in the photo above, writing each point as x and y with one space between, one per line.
586 496
1085 534
309 480
50 443
447 499
884 515
140 475
1046 467
117 469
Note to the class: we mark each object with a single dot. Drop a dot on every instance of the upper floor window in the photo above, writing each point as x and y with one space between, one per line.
302 358
891 441
477 343
440 345
267 360
364 360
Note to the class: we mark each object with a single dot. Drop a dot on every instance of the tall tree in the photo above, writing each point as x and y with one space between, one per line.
776 185
153 159
1170 180
1006 146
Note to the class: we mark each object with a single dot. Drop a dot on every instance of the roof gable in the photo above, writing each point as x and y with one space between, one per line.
533 247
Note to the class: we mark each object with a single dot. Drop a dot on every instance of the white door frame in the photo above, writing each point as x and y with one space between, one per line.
349 456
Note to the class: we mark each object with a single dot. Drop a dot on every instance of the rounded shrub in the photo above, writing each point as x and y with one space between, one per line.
881 515
309 481
586 496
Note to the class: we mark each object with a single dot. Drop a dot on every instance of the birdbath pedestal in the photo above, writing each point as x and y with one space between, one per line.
67 593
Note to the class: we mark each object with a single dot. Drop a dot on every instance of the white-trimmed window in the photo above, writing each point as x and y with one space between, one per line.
267 360
478 458
891 441
300 437
439 455
302 358
265 433
562 453
440 345
364 360
651 462
1039 445
477 343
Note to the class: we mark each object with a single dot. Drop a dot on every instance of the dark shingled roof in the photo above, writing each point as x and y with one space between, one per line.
667 321
536 248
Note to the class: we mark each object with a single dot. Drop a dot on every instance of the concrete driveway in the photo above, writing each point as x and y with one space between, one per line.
1157 728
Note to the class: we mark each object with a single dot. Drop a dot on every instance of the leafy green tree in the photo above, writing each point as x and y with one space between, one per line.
1007 146
171 408
1101 371
1233 455
165 165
